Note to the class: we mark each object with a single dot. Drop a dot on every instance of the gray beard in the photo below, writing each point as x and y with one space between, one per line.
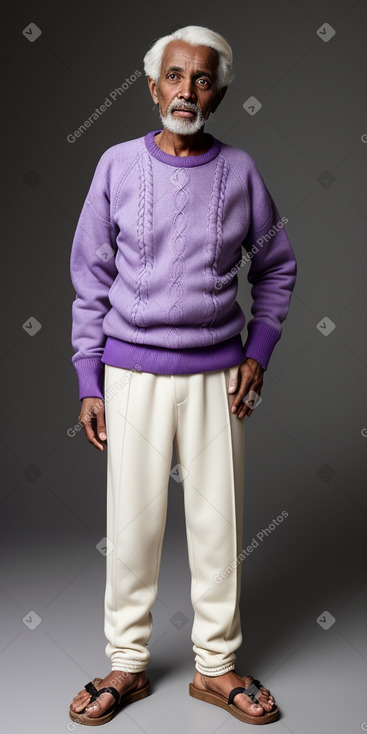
182 126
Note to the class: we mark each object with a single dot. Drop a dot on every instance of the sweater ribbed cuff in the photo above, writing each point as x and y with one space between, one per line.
260 342
90 372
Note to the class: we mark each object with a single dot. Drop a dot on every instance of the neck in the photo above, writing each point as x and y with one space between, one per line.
182 145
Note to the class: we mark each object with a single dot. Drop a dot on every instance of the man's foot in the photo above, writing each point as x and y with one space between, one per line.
223 685
119 679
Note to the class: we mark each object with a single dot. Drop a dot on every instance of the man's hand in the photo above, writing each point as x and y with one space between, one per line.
249 375
93 419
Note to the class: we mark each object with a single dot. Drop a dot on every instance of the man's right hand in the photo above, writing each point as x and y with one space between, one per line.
92 417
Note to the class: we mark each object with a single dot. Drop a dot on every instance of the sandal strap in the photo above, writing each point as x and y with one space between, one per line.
233 693
90 687
251 691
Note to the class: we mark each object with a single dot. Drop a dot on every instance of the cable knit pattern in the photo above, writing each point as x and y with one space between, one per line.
214 247
144 237
180 179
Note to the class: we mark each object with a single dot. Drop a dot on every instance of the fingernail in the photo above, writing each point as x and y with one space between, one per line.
102 436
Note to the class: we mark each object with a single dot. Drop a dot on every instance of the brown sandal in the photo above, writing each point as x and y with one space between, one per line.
227 703
120 700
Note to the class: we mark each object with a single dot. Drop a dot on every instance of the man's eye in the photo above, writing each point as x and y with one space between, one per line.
203 80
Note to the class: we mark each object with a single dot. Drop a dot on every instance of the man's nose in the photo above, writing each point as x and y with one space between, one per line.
187 89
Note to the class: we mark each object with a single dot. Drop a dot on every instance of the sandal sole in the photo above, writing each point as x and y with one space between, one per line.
217 700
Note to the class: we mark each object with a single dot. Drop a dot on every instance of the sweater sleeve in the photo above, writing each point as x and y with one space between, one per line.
92 270
272 271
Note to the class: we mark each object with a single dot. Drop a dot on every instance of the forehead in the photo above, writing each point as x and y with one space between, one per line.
180 53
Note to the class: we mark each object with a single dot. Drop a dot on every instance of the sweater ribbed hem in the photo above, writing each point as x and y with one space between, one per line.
260 342
259 345
182 161
161 360
90 372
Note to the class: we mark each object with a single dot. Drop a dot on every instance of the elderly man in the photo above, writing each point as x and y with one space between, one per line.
159 358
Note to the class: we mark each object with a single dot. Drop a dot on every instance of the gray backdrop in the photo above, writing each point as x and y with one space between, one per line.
304 587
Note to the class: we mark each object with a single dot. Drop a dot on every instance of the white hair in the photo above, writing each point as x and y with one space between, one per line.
195 35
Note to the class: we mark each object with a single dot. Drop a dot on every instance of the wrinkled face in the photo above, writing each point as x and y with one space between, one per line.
186 91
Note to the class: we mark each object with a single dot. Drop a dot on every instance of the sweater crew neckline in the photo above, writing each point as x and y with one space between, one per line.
182 161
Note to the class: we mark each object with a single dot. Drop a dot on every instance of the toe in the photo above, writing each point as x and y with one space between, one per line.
100 705
265 692
268 705
77 706
80 701
266 696
93 710
265 699
245 704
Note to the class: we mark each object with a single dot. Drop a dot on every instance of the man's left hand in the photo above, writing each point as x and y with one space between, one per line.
243 378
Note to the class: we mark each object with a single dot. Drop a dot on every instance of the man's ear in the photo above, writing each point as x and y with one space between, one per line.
218 98
153 89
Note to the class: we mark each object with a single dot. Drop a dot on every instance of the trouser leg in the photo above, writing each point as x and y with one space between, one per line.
210 446
140 423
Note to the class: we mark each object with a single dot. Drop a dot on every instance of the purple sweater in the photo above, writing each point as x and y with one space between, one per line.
155 261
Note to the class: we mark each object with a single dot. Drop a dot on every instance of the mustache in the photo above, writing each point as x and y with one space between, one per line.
190 106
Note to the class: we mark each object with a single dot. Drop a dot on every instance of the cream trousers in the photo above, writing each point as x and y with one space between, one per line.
145 413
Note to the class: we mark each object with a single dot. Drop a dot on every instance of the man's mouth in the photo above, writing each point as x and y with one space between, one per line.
184 112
